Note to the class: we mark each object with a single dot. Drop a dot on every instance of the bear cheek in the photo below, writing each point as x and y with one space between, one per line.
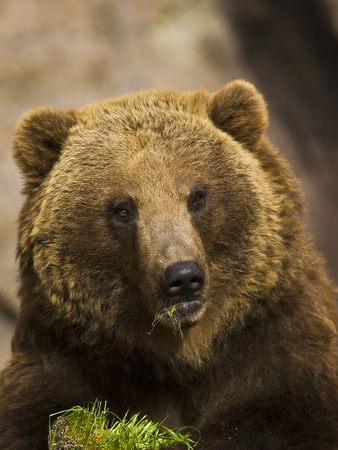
71 258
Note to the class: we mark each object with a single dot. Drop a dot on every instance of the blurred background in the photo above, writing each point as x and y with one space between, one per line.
71 52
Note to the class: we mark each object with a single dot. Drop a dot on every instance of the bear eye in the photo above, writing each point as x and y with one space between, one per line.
122 213
197 200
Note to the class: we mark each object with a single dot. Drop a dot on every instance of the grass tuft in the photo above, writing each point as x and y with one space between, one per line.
95 427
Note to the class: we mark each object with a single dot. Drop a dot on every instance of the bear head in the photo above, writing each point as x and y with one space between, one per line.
152 218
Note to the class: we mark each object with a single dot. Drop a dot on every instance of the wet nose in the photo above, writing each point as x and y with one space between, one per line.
182 278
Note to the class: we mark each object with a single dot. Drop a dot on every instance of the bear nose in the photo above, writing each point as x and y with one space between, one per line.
182 278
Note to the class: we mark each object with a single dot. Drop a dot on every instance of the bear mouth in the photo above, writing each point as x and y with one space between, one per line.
183 313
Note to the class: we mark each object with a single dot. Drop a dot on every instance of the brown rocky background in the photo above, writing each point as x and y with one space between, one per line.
71 52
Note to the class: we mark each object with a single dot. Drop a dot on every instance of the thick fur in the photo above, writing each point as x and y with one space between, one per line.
111 195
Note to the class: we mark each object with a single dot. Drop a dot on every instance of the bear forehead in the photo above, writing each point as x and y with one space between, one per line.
120 125
123 144
129 168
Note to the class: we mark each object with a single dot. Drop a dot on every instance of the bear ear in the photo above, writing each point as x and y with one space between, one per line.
240 110
38 141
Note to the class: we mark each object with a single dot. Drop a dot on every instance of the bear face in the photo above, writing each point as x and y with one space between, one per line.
129 197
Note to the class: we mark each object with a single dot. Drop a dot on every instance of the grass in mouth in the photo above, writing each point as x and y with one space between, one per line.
171 314
95 427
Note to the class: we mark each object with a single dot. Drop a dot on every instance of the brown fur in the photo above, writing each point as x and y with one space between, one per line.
256 366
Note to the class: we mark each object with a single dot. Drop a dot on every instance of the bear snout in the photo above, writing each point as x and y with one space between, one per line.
182 278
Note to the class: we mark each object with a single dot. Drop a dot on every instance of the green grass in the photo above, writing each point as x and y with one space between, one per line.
96 427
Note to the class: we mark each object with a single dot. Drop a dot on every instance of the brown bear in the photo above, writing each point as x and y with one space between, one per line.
165 269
